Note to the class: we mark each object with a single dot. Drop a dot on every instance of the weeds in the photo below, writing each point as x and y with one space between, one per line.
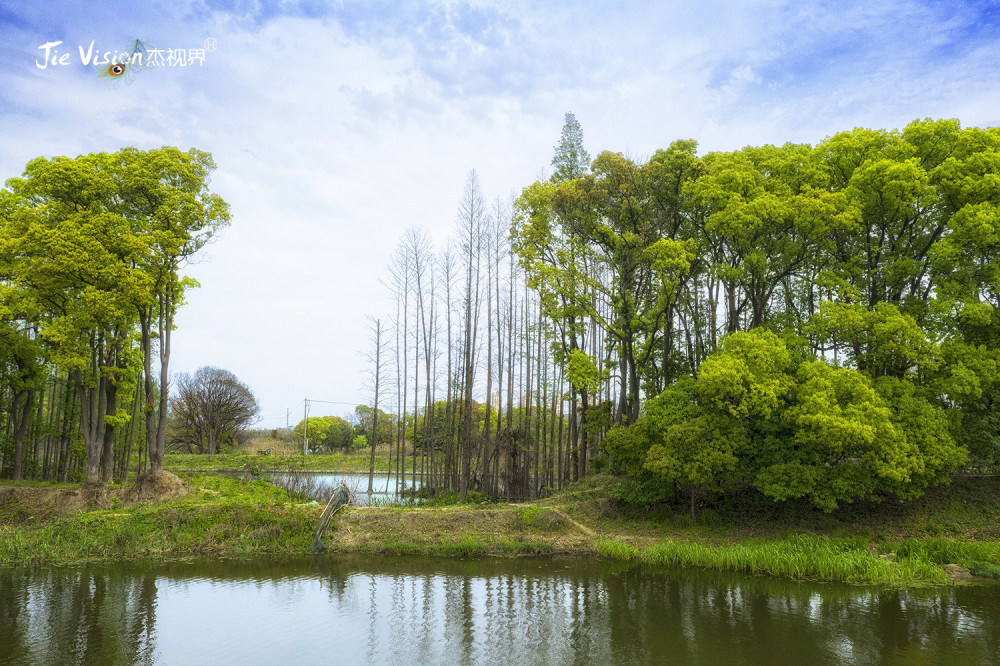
799 556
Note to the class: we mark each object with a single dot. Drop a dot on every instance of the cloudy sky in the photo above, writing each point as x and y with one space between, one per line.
337 125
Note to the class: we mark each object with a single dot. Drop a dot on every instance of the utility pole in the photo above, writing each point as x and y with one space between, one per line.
305 428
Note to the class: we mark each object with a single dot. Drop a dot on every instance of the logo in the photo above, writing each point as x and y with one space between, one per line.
123 63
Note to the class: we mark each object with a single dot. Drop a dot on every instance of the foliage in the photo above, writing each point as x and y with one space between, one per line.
758 414
571 159
328 432
91 253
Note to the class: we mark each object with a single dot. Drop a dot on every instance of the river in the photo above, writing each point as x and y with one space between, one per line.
391 610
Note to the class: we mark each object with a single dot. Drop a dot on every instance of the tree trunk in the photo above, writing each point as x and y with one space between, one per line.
108 449
22 428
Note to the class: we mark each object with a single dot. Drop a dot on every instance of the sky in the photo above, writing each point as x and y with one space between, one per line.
337 125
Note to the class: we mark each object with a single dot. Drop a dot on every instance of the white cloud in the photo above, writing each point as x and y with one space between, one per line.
333 134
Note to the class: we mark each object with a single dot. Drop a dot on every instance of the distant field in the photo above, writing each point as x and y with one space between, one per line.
352 462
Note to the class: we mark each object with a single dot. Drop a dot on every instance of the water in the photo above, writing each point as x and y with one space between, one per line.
383 488
436 611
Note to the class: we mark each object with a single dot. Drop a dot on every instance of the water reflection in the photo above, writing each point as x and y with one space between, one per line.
383 487
393 610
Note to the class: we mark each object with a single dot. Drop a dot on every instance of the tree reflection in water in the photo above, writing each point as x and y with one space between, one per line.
391 610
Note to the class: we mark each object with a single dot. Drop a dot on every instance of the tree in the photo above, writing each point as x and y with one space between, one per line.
75 260
376 359
211 407
164 192
571 159
472 220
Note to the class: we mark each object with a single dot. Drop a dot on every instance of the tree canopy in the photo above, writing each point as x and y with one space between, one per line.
91 252
816 322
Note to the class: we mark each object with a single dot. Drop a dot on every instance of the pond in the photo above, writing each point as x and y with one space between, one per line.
321 484
545 611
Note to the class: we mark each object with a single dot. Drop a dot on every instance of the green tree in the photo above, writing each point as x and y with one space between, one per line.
386 424
571 159
697 448
164 193
73 257
93 247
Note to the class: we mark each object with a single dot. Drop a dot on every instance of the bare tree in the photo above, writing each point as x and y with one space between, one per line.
211 406
376 358
471 219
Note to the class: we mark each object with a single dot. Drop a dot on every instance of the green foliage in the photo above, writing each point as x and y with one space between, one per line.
582 371
91 250
761 414
571 158
329 432
748 378
798 556
643 491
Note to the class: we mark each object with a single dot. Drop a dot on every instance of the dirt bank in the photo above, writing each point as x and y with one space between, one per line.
44 502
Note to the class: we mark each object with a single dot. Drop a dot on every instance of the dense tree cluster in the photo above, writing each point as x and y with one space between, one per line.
331 433
816 322
91 251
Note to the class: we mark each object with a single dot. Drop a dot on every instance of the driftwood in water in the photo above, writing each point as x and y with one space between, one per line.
341 495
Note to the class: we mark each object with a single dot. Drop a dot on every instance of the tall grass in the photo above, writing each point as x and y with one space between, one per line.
223 516
799 556
981 558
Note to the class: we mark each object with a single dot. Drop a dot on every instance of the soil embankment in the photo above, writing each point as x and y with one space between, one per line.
221 515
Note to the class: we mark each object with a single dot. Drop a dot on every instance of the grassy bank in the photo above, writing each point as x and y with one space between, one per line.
817 557
220 516
899 545
351 462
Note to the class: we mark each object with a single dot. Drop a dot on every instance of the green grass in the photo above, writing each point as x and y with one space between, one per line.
465 546
226 515
223 516
799 556
352 462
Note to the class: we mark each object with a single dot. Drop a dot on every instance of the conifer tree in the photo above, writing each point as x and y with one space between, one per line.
571 159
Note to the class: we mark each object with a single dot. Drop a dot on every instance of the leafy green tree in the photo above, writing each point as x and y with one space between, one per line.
769 218
74 258
597 240
94 246
341 434
697 448
386 427
164 193
793 428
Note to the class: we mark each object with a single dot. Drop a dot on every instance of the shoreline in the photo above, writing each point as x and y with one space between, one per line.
222 516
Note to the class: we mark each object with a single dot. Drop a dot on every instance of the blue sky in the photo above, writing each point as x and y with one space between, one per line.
337 125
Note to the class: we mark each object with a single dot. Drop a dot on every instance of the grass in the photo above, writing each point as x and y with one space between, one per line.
223 516
800 556
351 462
465 546
231 516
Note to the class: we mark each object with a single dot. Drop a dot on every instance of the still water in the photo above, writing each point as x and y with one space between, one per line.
437 611
383 487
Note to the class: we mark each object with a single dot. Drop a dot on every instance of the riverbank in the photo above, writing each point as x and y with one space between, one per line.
220 516
355 463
